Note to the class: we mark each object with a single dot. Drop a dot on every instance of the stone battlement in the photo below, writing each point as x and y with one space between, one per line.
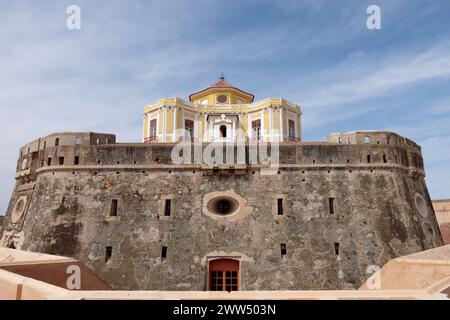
375 150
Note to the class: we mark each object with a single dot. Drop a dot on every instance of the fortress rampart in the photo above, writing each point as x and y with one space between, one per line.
327 213
94 151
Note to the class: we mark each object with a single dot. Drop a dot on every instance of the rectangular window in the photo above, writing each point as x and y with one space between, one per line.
77 140
56 142
189 129
167 207
366 140
61 161
76 160
368 158
152 133
98 141
336 248
113 210
283 249
280 206
224 280
331 205
256 129
291 128
163 253
49 161
384 158
108 254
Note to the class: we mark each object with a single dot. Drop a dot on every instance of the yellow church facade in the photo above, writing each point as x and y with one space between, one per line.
221 112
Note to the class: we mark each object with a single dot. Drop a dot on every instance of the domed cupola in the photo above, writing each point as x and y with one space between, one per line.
221 92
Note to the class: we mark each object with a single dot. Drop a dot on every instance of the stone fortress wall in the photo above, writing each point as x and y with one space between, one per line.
358 200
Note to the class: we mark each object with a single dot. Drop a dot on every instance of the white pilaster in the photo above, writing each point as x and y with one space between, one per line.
270 123
174 133
164 123
249 126
263 129
195 134
233 136
281 125
205 127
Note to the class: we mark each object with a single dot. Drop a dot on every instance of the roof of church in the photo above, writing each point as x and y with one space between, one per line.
221 84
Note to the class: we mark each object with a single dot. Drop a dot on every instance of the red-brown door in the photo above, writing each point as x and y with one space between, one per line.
224 275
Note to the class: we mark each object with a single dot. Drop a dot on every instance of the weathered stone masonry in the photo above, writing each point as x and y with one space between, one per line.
358 200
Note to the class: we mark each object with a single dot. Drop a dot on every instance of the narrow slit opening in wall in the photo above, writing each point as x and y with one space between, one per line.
28 150
108 254
368 158
336 248
76 160
167 207
45 145
163 253
384 158
56 142
331 205
283 249
61 161
280 206
113 210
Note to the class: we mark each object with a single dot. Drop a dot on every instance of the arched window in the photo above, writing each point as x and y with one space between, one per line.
224 275
223 131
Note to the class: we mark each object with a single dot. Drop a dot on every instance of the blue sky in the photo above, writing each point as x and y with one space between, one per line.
316 53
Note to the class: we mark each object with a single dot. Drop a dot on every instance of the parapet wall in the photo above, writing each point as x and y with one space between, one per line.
94 151
345 207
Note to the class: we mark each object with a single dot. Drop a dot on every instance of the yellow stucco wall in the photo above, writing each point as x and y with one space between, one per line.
163 110
233 96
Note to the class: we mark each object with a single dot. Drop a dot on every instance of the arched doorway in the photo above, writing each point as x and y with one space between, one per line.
223 131
224 275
